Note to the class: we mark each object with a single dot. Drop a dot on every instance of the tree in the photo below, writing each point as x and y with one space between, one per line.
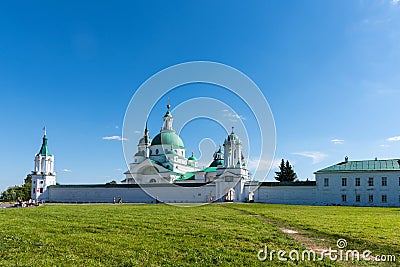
285 173
280 176
290 174
22 191
112 182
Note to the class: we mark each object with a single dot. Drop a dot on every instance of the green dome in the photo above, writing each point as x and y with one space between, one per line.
192 157
168 138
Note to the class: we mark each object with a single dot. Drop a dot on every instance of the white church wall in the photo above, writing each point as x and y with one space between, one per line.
99 194
168 193
298 195
172 193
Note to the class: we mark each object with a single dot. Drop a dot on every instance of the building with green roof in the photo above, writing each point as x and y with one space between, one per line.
360 183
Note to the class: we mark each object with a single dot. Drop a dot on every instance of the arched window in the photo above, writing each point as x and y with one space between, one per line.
153 181
156 151
151 152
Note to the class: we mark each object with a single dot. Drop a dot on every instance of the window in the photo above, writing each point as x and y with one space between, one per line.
344 181
41 182
152 180
358 181
157 151
326 182
371 198
358 198
384 198
371 181
384 181
344 198
41 190
399 181
229 179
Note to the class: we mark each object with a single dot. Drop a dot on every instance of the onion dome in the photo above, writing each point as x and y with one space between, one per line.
218 158
192 157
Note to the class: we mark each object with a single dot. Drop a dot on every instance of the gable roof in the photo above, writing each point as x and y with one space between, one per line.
363 166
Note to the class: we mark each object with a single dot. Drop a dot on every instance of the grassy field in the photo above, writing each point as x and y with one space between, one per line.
364 228
159 235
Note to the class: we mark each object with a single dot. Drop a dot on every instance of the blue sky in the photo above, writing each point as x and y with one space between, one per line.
329 70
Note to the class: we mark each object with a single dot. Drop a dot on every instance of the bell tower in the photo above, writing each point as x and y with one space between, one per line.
233 151
43 174
233 174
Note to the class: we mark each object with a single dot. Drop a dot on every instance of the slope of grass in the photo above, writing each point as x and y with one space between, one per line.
137 235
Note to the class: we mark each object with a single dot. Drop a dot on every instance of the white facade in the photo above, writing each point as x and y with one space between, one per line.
297 193
43 175
162 160
360 183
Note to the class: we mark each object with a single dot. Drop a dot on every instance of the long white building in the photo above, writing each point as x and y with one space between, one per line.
160 172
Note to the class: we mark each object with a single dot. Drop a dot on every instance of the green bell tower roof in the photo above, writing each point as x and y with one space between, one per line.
44 150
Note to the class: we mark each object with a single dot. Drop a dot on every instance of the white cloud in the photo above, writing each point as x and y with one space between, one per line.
314 155
67 170
137 132
232 116
384 145
394 138
337 141
114 137
395 2
116 127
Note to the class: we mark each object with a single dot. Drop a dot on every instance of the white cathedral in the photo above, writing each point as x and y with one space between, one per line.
162 160
160 172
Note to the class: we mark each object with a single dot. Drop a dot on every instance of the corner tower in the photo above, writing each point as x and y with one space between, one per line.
43 174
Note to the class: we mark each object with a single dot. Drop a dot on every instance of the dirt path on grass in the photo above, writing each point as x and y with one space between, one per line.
318 245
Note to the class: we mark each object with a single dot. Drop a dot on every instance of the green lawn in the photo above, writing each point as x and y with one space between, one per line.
159 235
364 228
